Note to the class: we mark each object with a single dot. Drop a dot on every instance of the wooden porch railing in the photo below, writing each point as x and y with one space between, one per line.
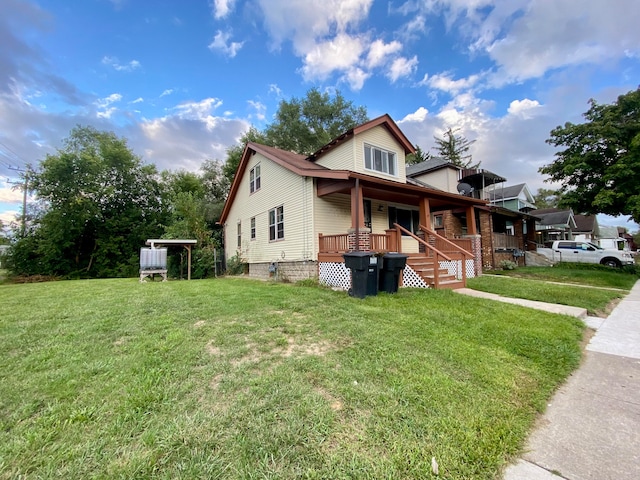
378 242
431 252
449 246
333 243
503 241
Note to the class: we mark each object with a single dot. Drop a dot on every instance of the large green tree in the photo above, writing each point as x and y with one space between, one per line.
302 125
598 166
99 203
454 148
547 198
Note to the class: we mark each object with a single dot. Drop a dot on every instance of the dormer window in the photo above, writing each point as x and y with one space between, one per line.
254 179
380 160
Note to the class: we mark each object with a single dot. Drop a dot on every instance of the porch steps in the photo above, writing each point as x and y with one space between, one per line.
425 267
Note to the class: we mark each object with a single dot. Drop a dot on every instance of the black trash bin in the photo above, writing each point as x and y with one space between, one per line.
392 265
364 273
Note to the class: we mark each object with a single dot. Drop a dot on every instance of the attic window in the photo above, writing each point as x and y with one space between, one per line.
254 179
379 160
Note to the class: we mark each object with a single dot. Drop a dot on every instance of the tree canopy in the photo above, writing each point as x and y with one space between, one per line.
98 203
599 164
418 157
454 148
301 126
547 198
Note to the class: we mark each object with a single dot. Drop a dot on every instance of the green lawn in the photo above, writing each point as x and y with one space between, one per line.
582 274
231 378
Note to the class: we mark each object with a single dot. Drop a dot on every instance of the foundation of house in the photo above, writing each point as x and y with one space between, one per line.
284 271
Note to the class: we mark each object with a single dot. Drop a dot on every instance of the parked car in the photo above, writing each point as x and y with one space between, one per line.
585 252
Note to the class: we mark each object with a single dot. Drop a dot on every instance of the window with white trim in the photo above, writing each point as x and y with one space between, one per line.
239 234
276 223
253 228
254 179
380 160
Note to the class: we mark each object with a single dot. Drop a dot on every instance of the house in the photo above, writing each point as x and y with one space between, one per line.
610 238
587 228
554 224
506 231
294 216
514 197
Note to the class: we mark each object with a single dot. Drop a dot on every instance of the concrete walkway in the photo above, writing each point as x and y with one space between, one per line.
591 428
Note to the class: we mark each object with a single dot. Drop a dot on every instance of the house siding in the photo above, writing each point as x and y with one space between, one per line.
350 154
445 179
279 186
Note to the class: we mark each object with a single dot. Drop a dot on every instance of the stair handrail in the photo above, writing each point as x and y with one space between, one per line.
420 240
446 240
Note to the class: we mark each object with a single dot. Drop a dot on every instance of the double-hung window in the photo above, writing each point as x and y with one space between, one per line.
239 234
254 179
276 223
253 228
379 160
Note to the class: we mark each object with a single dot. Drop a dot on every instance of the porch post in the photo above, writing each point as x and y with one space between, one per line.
472 229
425 212
357 207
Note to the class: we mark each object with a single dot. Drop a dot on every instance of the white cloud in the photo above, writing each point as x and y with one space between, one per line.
8 216
402 67
137 100
105 110
356 77
222 44
340 53
524 108
419 115
166 92
128 67
259 108
380 51
9 194
222 8
446 83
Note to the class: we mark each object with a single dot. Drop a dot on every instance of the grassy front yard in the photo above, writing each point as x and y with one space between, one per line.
232 378
541 284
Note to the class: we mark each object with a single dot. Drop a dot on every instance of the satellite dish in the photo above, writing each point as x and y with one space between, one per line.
465 189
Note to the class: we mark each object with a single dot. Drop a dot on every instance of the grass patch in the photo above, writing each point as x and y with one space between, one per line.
233 378
578 273
598 302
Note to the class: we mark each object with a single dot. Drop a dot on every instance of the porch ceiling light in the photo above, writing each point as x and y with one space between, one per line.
381 208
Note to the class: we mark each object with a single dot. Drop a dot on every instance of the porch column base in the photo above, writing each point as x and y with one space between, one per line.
476 249
363 242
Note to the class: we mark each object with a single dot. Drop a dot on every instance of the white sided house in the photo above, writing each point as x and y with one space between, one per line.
293 216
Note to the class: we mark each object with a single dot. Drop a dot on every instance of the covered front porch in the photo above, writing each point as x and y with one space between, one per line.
386 216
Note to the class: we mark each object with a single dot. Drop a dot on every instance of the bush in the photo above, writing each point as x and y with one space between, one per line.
507 265
236 265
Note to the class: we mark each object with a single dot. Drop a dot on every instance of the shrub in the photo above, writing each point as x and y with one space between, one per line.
236 265
507 265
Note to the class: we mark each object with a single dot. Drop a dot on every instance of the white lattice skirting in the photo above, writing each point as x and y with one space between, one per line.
411 279
453 268
334 274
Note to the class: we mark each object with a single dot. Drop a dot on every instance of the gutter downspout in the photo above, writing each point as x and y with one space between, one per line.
357 215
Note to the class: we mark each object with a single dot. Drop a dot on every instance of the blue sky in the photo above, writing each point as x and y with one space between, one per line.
183 80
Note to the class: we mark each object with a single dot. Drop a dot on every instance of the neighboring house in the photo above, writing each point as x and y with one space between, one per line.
506 232
610 238
554 224
587 228
294 216
514 197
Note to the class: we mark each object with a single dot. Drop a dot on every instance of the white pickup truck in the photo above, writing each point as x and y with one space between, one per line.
585 252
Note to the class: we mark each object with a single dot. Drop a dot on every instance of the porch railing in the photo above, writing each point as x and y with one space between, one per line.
430 252
333 243
502 241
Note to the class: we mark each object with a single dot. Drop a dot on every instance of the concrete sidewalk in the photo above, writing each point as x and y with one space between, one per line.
591 429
